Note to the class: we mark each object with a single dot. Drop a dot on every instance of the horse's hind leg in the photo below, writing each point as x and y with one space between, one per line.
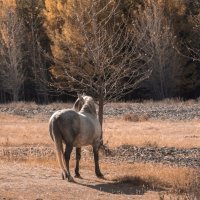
96 161
68 151
78 157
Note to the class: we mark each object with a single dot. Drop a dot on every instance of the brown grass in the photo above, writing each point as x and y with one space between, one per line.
132 117
171 182
181 134
154 175
18 130
174 182
33 105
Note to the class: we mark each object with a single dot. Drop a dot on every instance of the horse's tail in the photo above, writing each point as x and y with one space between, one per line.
56 136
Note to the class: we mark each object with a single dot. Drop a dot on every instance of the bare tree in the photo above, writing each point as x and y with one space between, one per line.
11 41
37 58
194 49
158 40
106 63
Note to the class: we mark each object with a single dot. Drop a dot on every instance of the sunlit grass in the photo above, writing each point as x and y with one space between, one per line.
181 134
20 131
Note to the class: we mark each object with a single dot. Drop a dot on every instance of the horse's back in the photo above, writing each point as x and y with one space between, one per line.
90 131
79 129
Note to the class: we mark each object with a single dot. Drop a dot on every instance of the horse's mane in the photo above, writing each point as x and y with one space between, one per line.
88 106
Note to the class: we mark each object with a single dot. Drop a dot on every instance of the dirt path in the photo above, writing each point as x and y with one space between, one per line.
25 181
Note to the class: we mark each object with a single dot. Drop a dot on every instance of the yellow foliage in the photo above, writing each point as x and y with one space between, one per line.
55 71
173 6
62 29
5 5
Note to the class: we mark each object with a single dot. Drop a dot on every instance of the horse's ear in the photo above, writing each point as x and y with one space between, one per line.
79 96
83 94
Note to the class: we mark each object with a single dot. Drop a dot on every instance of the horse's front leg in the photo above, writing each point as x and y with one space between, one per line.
78 157
68 151
96 161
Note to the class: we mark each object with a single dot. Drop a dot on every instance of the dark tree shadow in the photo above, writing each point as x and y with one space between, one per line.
126 185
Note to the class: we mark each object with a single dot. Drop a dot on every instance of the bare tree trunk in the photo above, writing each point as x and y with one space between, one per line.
100 113
15 95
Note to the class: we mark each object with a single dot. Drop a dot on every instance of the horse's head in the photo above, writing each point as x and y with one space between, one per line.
85 103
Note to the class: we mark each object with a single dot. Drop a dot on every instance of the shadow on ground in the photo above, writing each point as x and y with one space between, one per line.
126 185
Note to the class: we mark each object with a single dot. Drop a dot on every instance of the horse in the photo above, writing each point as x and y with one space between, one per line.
76 127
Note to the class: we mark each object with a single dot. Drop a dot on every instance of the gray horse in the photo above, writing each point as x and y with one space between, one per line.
76 127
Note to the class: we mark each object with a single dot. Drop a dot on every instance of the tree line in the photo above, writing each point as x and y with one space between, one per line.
130 49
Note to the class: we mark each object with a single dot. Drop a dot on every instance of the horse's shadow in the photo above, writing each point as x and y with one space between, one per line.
134 186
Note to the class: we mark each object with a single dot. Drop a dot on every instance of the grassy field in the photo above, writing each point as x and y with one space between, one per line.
166 181
18 130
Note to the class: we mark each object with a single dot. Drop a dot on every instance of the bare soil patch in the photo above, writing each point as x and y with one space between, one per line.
25 181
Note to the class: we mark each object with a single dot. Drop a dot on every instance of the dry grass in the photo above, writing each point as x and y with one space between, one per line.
18 130
135 117
154 175
171 101
174 183
181 134
33 105
171 182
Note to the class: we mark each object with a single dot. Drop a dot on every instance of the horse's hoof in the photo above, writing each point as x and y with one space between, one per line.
100 175
77 176
70 179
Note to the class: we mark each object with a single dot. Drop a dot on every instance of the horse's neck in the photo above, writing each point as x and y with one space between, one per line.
89 114
89 109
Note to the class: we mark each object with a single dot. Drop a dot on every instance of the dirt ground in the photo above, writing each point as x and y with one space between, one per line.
25 181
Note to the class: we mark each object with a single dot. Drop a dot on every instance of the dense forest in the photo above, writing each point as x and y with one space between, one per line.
111 49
